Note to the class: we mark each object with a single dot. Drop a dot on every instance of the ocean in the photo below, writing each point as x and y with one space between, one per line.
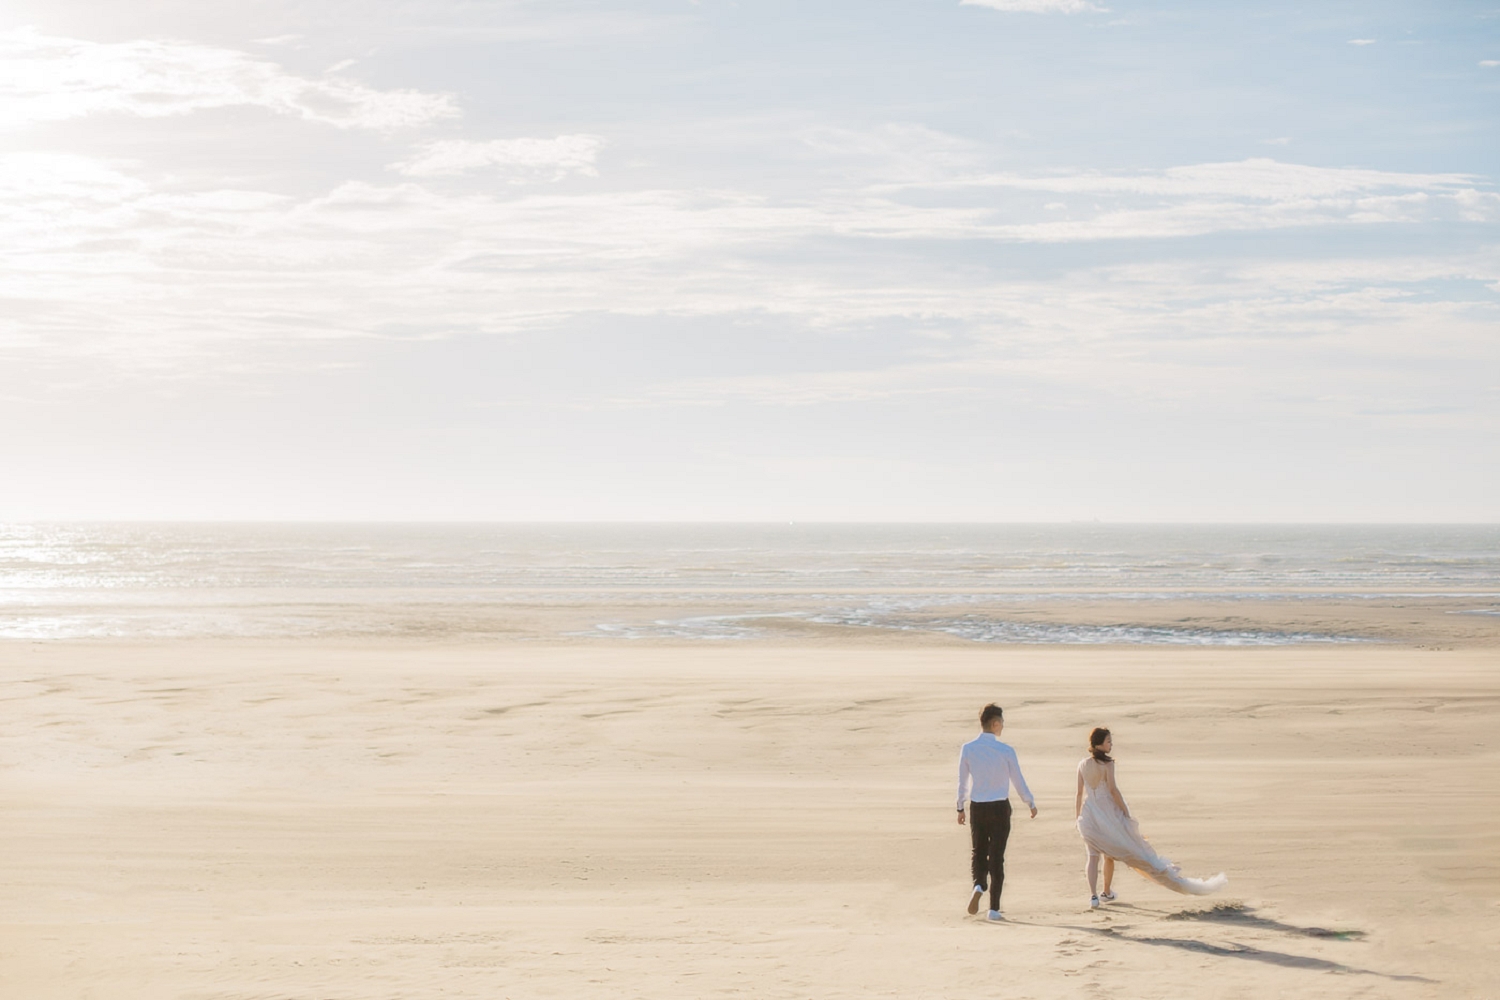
715 582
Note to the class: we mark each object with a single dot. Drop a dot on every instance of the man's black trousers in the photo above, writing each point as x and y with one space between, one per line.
989 826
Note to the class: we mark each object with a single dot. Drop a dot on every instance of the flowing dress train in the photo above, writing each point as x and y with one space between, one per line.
1115 835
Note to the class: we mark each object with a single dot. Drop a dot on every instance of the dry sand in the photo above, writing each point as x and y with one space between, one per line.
383 820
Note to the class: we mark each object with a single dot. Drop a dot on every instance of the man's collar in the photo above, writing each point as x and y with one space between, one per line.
988 735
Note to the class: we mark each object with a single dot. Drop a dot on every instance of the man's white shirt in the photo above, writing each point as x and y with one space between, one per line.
991 767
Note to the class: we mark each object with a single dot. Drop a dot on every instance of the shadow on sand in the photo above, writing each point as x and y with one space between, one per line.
1284 959
1240 915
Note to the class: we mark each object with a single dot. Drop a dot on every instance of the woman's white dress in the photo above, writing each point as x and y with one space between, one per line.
1113 834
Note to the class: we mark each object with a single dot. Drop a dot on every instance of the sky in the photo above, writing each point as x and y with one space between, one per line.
998 260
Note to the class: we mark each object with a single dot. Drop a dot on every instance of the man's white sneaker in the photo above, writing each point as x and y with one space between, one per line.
1107 897
974 899
994 915
1093 902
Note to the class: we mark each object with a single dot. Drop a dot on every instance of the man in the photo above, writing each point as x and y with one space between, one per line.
991 767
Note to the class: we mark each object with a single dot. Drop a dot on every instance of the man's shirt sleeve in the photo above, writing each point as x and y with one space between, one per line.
1020 781
963 778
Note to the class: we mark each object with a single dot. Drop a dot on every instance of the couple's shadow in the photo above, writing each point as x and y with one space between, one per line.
1231 915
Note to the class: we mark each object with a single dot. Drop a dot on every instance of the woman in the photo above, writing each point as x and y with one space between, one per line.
1110 832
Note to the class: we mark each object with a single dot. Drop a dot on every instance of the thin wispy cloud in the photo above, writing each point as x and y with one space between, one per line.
1037 6
46 78
1256 178
1160 335
1198 199
1477 206
196 268
519 160
958 217
897 151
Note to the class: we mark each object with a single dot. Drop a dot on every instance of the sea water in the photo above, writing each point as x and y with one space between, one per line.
288 580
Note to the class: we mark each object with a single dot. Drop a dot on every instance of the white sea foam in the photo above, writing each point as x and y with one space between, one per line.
270 580
976 628
709 627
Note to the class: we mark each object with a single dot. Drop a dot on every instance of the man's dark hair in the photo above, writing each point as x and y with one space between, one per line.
990 714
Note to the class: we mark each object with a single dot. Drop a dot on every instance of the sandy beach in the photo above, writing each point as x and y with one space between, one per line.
222 819
518 500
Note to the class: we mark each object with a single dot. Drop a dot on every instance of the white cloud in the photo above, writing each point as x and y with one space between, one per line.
108 262
1361 41
107 272
1256 178
1478 206
519 159
1036 6
1179 201
37 178
1160 334
807 388
896 151
1489 62
1202 217
45 78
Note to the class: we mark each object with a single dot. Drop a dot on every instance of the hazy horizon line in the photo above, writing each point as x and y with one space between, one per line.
1101 522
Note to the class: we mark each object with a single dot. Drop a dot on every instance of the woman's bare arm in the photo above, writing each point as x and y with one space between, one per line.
1078 799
